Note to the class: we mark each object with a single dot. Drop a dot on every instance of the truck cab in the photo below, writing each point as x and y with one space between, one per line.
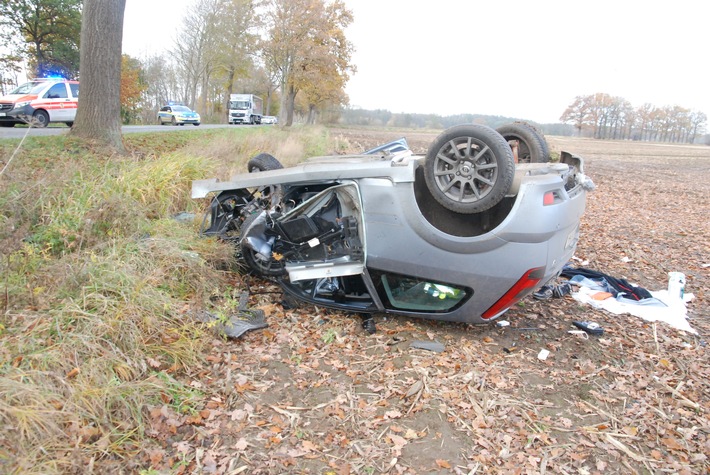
245 109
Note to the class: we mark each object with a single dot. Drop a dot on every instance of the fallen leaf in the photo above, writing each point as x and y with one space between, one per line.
672 443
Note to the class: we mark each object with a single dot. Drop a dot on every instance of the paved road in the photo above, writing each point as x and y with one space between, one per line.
19 132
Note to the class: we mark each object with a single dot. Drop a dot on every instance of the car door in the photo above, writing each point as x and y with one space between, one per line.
164 114
73 103
56 101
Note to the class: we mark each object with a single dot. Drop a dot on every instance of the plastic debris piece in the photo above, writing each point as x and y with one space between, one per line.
542 356
592 328
502 323
237 326
239 323
434 345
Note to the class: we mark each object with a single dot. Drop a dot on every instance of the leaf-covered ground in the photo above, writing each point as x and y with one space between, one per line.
314 393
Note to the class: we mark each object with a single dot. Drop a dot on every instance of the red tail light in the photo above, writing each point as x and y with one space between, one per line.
527 282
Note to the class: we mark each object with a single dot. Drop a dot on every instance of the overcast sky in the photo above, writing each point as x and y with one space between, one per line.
521 59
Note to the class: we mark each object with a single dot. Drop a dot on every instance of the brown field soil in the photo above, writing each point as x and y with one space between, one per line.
315 394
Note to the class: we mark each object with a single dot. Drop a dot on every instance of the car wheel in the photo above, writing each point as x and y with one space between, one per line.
196 124
469 168
225 214
541 136
530 143
263 162
69 124
173 121
258 264
40 119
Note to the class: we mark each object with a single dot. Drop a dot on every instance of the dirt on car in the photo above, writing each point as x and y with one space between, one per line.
315 393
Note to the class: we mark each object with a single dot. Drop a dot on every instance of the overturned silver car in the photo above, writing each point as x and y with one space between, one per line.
460 234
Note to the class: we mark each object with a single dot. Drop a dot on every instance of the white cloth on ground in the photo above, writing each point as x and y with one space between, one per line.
661 307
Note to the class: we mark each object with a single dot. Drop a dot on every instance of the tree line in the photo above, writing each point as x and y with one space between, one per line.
603 116
294 53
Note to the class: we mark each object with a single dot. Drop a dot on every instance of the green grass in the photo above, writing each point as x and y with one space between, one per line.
100 286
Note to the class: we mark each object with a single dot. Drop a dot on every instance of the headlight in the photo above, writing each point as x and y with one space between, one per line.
21 104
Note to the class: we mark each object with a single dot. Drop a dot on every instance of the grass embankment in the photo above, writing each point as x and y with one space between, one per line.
98 286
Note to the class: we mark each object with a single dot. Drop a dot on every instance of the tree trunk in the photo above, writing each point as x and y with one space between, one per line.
98 117
290 105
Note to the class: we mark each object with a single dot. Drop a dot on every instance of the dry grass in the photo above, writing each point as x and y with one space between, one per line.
99 286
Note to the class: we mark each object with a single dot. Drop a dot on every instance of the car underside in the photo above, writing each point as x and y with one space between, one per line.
460 234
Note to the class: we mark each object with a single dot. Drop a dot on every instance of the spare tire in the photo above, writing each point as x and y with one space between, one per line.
263 162
532 147
469 168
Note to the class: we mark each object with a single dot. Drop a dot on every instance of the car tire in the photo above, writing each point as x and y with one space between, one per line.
196 124
69 124
173 121
541 136
225 214
469 168
264 268
530 143
263 162
40 119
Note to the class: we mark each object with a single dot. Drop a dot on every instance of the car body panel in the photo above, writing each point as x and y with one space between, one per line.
411 256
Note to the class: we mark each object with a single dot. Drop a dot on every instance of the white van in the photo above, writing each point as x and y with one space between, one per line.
39 102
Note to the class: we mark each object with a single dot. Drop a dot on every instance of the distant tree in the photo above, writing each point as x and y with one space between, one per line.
161 81
306 46
697 123
50 30
193 52
328 69
98 116
132 88
235 40
577 113
615 118
10 69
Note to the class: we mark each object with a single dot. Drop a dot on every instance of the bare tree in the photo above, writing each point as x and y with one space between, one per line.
234 39
697 123
98 116
615 118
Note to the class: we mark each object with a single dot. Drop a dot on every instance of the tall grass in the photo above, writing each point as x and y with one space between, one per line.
99 285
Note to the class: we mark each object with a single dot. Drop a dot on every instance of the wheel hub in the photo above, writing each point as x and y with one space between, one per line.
466 169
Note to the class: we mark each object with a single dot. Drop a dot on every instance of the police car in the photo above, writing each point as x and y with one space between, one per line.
178 114
40 102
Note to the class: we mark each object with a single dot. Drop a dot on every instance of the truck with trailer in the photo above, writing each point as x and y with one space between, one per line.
245 109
